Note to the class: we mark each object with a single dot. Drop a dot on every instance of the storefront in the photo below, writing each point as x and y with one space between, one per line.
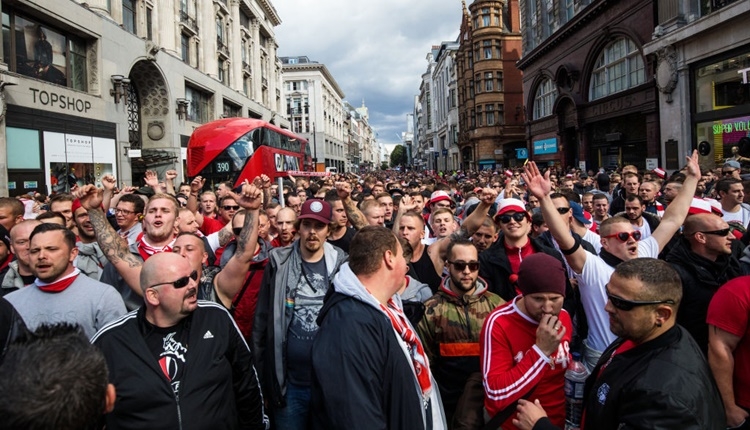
545 151
721 109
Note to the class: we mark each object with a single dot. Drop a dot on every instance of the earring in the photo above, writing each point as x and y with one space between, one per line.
658 324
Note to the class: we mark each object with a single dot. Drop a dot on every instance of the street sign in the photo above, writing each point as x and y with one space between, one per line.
522 153
652 163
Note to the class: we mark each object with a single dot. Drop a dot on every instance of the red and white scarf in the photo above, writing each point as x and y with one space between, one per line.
146 249
59 285
418 357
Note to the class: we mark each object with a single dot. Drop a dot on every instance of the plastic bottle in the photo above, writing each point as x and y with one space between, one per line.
575 380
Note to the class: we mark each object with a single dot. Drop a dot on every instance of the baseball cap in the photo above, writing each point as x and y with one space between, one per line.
439 196
510 205
318 210
578 213
732 164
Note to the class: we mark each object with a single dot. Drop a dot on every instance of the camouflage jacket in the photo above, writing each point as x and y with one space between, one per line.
450 330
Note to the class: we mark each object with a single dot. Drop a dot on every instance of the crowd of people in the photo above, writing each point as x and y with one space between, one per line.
400 300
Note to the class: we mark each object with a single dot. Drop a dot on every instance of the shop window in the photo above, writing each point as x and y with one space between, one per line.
23 148
199 110
722 84
546 94
619 67
231 110
39 51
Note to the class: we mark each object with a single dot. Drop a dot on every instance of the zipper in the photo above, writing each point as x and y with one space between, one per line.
468 322
179 411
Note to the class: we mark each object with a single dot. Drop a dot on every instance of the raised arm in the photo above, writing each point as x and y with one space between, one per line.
169 177
407 204
229 281
472 222
541 188
114 247
196 186
109 183
356 217
676 212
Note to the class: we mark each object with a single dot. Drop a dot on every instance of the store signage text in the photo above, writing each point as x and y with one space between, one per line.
743 72
730 127
48 98
612 106
545 146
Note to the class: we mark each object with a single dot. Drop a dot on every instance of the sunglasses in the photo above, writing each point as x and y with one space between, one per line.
230 208
727 172
626 305
563 211
180 283
624 236
517 217
722 232
461 266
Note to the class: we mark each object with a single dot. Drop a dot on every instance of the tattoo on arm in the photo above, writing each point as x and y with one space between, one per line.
247 230
113 246
225 236
356 217
266 197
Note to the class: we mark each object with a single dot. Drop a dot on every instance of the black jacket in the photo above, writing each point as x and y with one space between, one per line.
11 326
700 279
382 378
219 387
663 384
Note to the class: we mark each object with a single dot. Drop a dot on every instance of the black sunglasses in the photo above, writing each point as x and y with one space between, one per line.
563 211
624 236
517 217
626 305
461 266
230 208
722 232
180 283
727 172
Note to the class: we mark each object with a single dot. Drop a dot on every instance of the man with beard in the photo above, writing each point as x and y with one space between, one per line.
125 261
635 212
90 260
19 272
60 293
620 242
294 284
150 352
452 322
525 343
285 220
654 375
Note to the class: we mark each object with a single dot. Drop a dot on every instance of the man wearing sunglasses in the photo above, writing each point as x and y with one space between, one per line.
150 353
705 260
653 375
452 322
620 242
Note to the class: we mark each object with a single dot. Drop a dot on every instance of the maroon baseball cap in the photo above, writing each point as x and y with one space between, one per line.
318 210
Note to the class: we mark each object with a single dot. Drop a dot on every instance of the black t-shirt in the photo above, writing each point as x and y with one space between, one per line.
426 272
344 241
169 346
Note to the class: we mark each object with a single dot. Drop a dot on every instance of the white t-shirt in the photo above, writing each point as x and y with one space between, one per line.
742 216
645 229
591 281
594 239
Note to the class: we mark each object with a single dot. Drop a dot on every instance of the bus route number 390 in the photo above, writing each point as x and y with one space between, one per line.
222 167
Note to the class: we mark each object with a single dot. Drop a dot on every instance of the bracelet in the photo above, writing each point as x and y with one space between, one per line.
573 249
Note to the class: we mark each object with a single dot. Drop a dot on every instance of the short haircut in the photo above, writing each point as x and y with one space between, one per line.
414 215
554 196
166 196
68 236
53 378
487 222
634 198
200 239
51 215
600 196
605 226
16 207
138 204
367 248
368 205
537 219
442 211
629 175
332 196
587 194
62 197
723 185
225 198
458 242
272 205
660 280
208 192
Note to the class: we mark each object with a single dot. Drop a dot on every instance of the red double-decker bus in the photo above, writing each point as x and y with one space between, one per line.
235 149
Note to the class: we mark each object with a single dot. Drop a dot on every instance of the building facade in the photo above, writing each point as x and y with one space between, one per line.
702 56
589 88
315 110
425 153
445 136
117 86
489 85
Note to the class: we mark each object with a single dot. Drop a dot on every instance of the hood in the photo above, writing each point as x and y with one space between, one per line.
705 271
347 284
446 291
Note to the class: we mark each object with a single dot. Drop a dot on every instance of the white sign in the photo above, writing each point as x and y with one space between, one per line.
498 152
134 153
652 163
582 166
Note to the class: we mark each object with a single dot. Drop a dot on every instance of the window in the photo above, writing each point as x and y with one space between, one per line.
479 116
478 82
222 71
490 111
41 52
619 67
128 15
471 89
185 45
473 119
545 97
231 110
198 110
485 17
499 81
149 24
487 44
569 10
184 6
488 83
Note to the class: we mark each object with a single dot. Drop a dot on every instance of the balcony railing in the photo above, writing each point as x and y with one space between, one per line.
246 67
222 47
188 21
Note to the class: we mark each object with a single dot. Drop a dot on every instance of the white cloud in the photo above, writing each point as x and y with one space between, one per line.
374 49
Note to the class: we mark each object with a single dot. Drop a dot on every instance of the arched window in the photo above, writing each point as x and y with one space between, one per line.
619 67
546 94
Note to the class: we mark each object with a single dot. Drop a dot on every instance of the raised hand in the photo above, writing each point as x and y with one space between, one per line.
90 196
265 182
197 185
539 185
109 182
344 189
152 179
170 175
250 196
693 168
549 334
488 195
407 204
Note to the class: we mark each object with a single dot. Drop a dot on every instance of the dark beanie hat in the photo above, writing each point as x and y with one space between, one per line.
541 273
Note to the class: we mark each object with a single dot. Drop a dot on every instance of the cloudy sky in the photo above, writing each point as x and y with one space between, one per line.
374 49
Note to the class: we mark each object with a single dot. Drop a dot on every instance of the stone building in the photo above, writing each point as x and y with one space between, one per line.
589 88
490 91
117 86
